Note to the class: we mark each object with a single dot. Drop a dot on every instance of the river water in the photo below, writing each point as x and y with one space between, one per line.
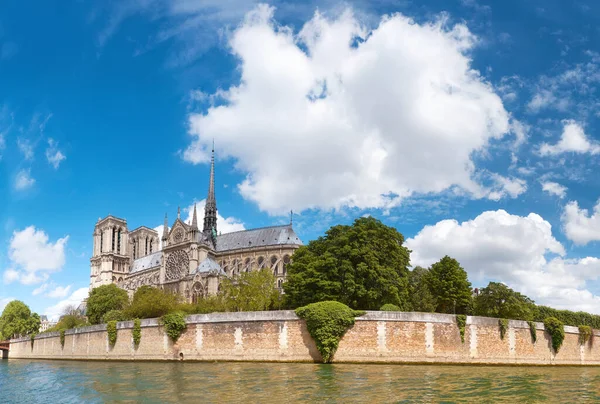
25 381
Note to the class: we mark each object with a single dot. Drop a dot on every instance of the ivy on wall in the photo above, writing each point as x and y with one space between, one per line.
111 330
556 329
136 333
461 321
174 324
32 336
326 323
532 331
62 338
585 334
503 324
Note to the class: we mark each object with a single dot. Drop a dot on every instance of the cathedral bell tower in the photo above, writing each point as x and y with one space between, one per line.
210 209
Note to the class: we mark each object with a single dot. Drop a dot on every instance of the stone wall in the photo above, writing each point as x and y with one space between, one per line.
282 336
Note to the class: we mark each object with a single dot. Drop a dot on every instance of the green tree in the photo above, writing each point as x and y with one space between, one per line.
71 318
17 320
363 266
151 302
421 298
449 284
500 301
104 299
250 291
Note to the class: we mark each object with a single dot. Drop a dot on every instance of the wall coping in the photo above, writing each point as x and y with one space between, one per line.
290 315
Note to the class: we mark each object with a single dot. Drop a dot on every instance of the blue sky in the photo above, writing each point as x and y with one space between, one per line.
469 125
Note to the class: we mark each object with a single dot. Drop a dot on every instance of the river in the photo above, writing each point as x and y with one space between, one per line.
25 381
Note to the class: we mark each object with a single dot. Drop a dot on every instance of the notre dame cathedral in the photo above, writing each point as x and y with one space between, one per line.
188 261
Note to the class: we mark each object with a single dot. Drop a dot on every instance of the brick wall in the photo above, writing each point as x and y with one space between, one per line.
282 336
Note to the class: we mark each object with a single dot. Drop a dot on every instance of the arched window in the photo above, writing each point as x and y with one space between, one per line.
151 241
261 261
197 292
247 264
114 279
146 250
134 250
279 283
120 280
286 262
239 266
101 240
114 232
273 266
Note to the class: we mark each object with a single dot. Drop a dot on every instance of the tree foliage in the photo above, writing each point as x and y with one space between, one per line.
151 302
250 291
327 322
421 298
17 320
568 317
449 284
499 301
389 307
174 324
104 299
363 266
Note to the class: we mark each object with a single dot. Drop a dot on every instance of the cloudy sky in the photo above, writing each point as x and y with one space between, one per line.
469 125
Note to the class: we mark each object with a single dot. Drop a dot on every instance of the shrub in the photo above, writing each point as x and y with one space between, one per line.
389 307
104 299
556 329
503 324
585 333
114 315
461 322
174 324
62 338
111 330
327 322
209 304
532 331
136 333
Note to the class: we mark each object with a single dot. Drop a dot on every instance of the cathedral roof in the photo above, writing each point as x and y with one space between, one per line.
208 265
149 261
262 237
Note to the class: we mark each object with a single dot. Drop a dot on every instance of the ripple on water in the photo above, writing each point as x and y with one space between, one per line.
23 381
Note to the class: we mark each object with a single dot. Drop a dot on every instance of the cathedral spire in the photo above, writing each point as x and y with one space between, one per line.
210 209
194 219
166 229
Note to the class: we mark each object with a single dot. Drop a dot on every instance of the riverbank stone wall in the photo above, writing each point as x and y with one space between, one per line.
389 337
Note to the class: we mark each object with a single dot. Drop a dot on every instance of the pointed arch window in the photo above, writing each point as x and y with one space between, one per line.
134 251
273 266
101 240
119 241
114 232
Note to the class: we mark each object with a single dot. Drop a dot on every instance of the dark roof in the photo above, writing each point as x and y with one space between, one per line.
149 261
263 237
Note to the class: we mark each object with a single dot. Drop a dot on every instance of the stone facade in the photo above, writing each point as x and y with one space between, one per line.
185 259
390 337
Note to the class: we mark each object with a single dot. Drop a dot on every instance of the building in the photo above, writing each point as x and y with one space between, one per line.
185 259
45 323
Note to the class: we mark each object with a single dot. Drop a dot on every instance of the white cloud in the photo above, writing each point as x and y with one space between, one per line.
554 188
573 139
512 187
53 155
579 225
41 289
373 122
24 180
26 148
59 291
10 275
224 224
512 249
55 311
34 256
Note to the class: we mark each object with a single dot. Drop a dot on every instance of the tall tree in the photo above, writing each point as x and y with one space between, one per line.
104 299
250 291
421 298
17 320
500 301
363 266
449 284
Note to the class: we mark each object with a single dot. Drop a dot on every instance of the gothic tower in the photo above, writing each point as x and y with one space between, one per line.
210 209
